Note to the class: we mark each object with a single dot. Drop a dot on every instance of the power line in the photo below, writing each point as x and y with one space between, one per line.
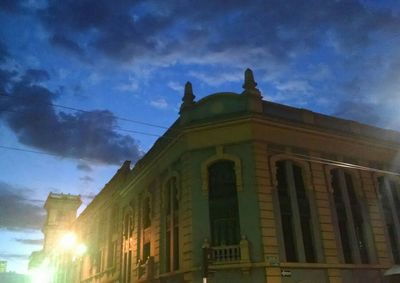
87 111
30 151
302 157
118 128
335 163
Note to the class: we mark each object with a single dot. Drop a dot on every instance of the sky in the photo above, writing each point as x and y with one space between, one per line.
85 85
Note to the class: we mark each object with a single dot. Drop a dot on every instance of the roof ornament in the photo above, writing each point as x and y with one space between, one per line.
250 84
188 97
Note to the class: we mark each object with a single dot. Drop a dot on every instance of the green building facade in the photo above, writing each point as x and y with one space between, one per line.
240 189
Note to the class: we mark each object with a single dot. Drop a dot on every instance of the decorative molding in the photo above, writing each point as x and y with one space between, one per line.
171 174
219 156
305 166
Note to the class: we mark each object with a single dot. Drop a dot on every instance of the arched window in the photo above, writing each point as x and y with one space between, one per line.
223 204
389 195
171 220
350 218
128 227
295 212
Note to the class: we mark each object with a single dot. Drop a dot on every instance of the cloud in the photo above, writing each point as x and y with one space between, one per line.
36 242
132 29
11 256
17 210
159 103
217 79
83 135
273 37
132 86
86 179
294 86
177 86
84 167
3 52
61 41
11 6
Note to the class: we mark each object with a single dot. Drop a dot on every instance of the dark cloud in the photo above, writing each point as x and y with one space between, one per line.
83 135
36 242
34 75
11 6
3 52
17 211
10 256
127 29
86 179
67 44
84 167
364 112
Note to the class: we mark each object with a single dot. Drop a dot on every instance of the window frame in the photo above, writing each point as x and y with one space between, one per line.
394 213
175 223
236 196
309 189
351 233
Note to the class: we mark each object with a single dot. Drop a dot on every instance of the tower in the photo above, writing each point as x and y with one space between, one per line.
61 212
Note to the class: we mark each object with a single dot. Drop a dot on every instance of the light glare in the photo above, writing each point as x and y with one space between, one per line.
67 241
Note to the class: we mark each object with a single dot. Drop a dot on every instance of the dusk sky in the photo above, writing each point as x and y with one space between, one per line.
87 84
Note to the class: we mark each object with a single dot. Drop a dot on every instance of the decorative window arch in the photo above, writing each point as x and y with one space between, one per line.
303 164
220 155
171 175
351 218
128 223
292 180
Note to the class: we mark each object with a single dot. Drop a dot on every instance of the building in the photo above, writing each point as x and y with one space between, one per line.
3 266
61 210
240 189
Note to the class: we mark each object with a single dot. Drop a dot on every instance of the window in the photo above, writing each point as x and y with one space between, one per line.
145 230
223 204
295 213
389 192
146 212
171 204
112 254
128 227
350 218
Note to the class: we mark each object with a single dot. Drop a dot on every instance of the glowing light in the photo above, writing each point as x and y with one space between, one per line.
67 241
80 249
42 274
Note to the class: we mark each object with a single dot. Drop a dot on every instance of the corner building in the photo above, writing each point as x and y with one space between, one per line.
242 190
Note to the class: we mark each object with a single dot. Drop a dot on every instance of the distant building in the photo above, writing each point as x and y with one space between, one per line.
61 213
12 277
244 190
3 266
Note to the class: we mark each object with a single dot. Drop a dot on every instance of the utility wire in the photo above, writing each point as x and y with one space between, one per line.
293 155
302 157
335 163
87 111
118 128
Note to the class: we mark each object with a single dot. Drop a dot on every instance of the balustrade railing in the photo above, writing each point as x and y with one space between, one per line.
224 254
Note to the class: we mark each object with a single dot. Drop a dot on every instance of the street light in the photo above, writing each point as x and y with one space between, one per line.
67 241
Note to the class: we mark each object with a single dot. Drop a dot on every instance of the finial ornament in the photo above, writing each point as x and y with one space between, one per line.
250 84
188 96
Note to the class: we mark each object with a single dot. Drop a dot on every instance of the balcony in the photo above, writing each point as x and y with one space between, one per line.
228 254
